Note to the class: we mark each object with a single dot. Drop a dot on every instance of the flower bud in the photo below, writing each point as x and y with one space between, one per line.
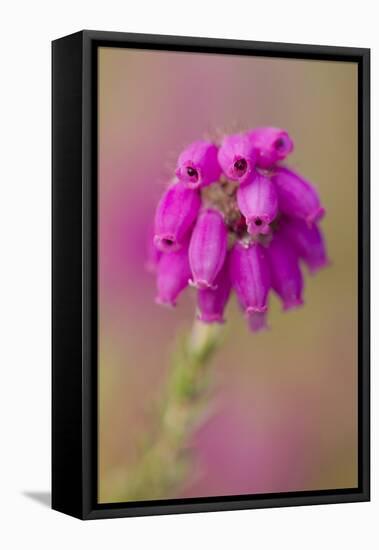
175 216
258 202
308 242
237 158
297 197
271 144
172 277
212 301
250 278
207 248
198 165
286 277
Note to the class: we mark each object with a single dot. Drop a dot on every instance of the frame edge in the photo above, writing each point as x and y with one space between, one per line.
67 474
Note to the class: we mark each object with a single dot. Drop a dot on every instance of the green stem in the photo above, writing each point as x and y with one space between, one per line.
164 460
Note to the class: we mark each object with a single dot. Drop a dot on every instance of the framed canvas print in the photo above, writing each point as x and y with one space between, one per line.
210 275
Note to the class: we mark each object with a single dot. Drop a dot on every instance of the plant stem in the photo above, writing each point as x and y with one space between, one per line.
164 460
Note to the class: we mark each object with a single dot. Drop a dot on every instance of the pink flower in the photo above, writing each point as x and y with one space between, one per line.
271 145
172 277
258 202
308 242
237 158
286 277
198 165
297 197
246 233
211 301
207 248
250 277
176 213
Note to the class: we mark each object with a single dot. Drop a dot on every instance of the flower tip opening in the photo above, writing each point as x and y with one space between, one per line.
240 167
255 309
190 176
166 243
283 144
237 158
201 284
197 164
259 225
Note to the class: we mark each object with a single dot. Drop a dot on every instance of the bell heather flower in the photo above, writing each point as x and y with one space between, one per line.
175 216
271 144
237 158
211 301
258 202
207 248
308 242
286 277
198 165
297 197
250 277
237 221
172 277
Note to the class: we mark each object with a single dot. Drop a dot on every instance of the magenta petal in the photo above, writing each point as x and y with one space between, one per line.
286 277
250 278
258 202
198 165
297 197
172 277
308 242
257 320
271 144
237 158
212 301
207 248
175 216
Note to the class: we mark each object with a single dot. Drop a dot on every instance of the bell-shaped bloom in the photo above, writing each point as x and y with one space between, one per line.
172 276
207 248
198 165
286 277
308 242
175 216
297 197
250 277
258 202
271 144
237 158
212 301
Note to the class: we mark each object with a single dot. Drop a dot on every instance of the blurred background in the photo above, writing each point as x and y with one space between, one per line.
282 411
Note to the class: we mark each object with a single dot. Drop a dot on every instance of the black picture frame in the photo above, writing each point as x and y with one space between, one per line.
74 273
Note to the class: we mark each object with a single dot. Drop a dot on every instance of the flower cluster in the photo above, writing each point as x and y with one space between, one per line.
235 218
